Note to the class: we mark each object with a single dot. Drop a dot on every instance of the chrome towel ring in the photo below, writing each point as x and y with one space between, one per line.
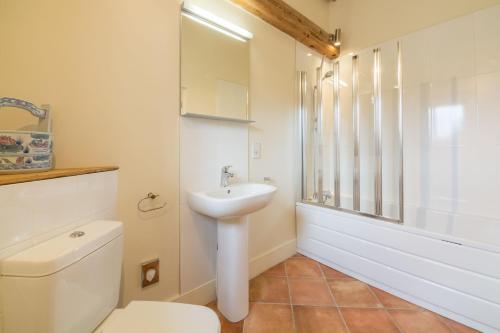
150 196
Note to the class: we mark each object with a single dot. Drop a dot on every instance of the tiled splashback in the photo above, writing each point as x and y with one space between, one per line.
35 211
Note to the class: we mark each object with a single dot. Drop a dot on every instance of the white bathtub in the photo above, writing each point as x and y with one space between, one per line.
453 277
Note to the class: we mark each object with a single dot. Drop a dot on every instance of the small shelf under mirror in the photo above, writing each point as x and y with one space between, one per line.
205 116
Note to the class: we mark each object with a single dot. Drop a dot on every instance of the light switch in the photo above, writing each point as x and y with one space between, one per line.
257 150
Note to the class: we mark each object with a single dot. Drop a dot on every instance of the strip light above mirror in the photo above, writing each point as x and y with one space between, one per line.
216 23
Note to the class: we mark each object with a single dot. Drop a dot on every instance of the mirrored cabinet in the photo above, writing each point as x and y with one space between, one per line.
215 67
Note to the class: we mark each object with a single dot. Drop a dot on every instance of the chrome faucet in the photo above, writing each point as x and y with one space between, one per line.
225 175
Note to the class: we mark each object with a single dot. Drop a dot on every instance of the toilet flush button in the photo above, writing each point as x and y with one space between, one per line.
77 234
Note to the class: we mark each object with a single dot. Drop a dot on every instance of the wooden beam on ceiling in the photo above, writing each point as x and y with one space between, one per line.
290 21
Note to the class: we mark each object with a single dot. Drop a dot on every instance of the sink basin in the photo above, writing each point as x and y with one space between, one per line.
232 201
230 206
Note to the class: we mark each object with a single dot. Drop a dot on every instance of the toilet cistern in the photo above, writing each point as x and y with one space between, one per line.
70 284
225 175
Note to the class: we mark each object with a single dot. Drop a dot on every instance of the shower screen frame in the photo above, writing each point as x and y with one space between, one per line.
378 130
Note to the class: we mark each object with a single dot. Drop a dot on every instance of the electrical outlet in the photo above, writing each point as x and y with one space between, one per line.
150 272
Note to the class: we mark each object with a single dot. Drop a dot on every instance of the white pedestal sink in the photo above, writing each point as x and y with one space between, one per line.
230 206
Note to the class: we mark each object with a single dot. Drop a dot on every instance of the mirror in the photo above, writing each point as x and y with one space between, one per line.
214 67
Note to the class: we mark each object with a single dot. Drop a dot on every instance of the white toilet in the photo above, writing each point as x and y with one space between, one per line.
71 284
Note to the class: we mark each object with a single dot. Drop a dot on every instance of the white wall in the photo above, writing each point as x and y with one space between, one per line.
207 145
36 211
317 11
272 106
111 73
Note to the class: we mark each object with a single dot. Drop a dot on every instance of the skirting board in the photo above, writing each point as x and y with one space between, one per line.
201 295
456 281
206 293
274 256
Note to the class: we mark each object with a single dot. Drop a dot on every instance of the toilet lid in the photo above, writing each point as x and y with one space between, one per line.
161 317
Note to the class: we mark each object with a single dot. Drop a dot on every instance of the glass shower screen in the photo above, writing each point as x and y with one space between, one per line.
351 133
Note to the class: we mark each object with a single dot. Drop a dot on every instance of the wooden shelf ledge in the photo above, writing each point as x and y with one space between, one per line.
51 174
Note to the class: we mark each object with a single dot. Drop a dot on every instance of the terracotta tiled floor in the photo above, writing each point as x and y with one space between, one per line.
301 295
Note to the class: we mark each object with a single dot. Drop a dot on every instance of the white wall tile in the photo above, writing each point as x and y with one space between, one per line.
450 51
488 104
452 127
453 118
16 215
479 182
37 209
486 34
416 58
389 66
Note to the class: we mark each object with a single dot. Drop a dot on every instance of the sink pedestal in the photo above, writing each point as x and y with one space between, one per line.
230 206
232 268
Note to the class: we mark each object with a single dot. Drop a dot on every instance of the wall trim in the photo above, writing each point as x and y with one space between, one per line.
206 292
200 295
274 256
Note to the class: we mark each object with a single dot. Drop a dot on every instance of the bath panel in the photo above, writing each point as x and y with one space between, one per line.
453 277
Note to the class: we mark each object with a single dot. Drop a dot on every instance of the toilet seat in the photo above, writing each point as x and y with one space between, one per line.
161 317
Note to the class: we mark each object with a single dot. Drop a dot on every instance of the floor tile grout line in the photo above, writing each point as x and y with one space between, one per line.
339 313
414 306
271 303
384 308
444 322
370 290
294 327
375 308
327 285
394 321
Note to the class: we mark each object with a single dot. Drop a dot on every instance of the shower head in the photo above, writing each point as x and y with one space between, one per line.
327 75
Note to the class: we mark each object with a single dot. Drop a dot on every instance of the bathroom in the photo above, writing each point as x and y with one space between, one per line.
402 236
